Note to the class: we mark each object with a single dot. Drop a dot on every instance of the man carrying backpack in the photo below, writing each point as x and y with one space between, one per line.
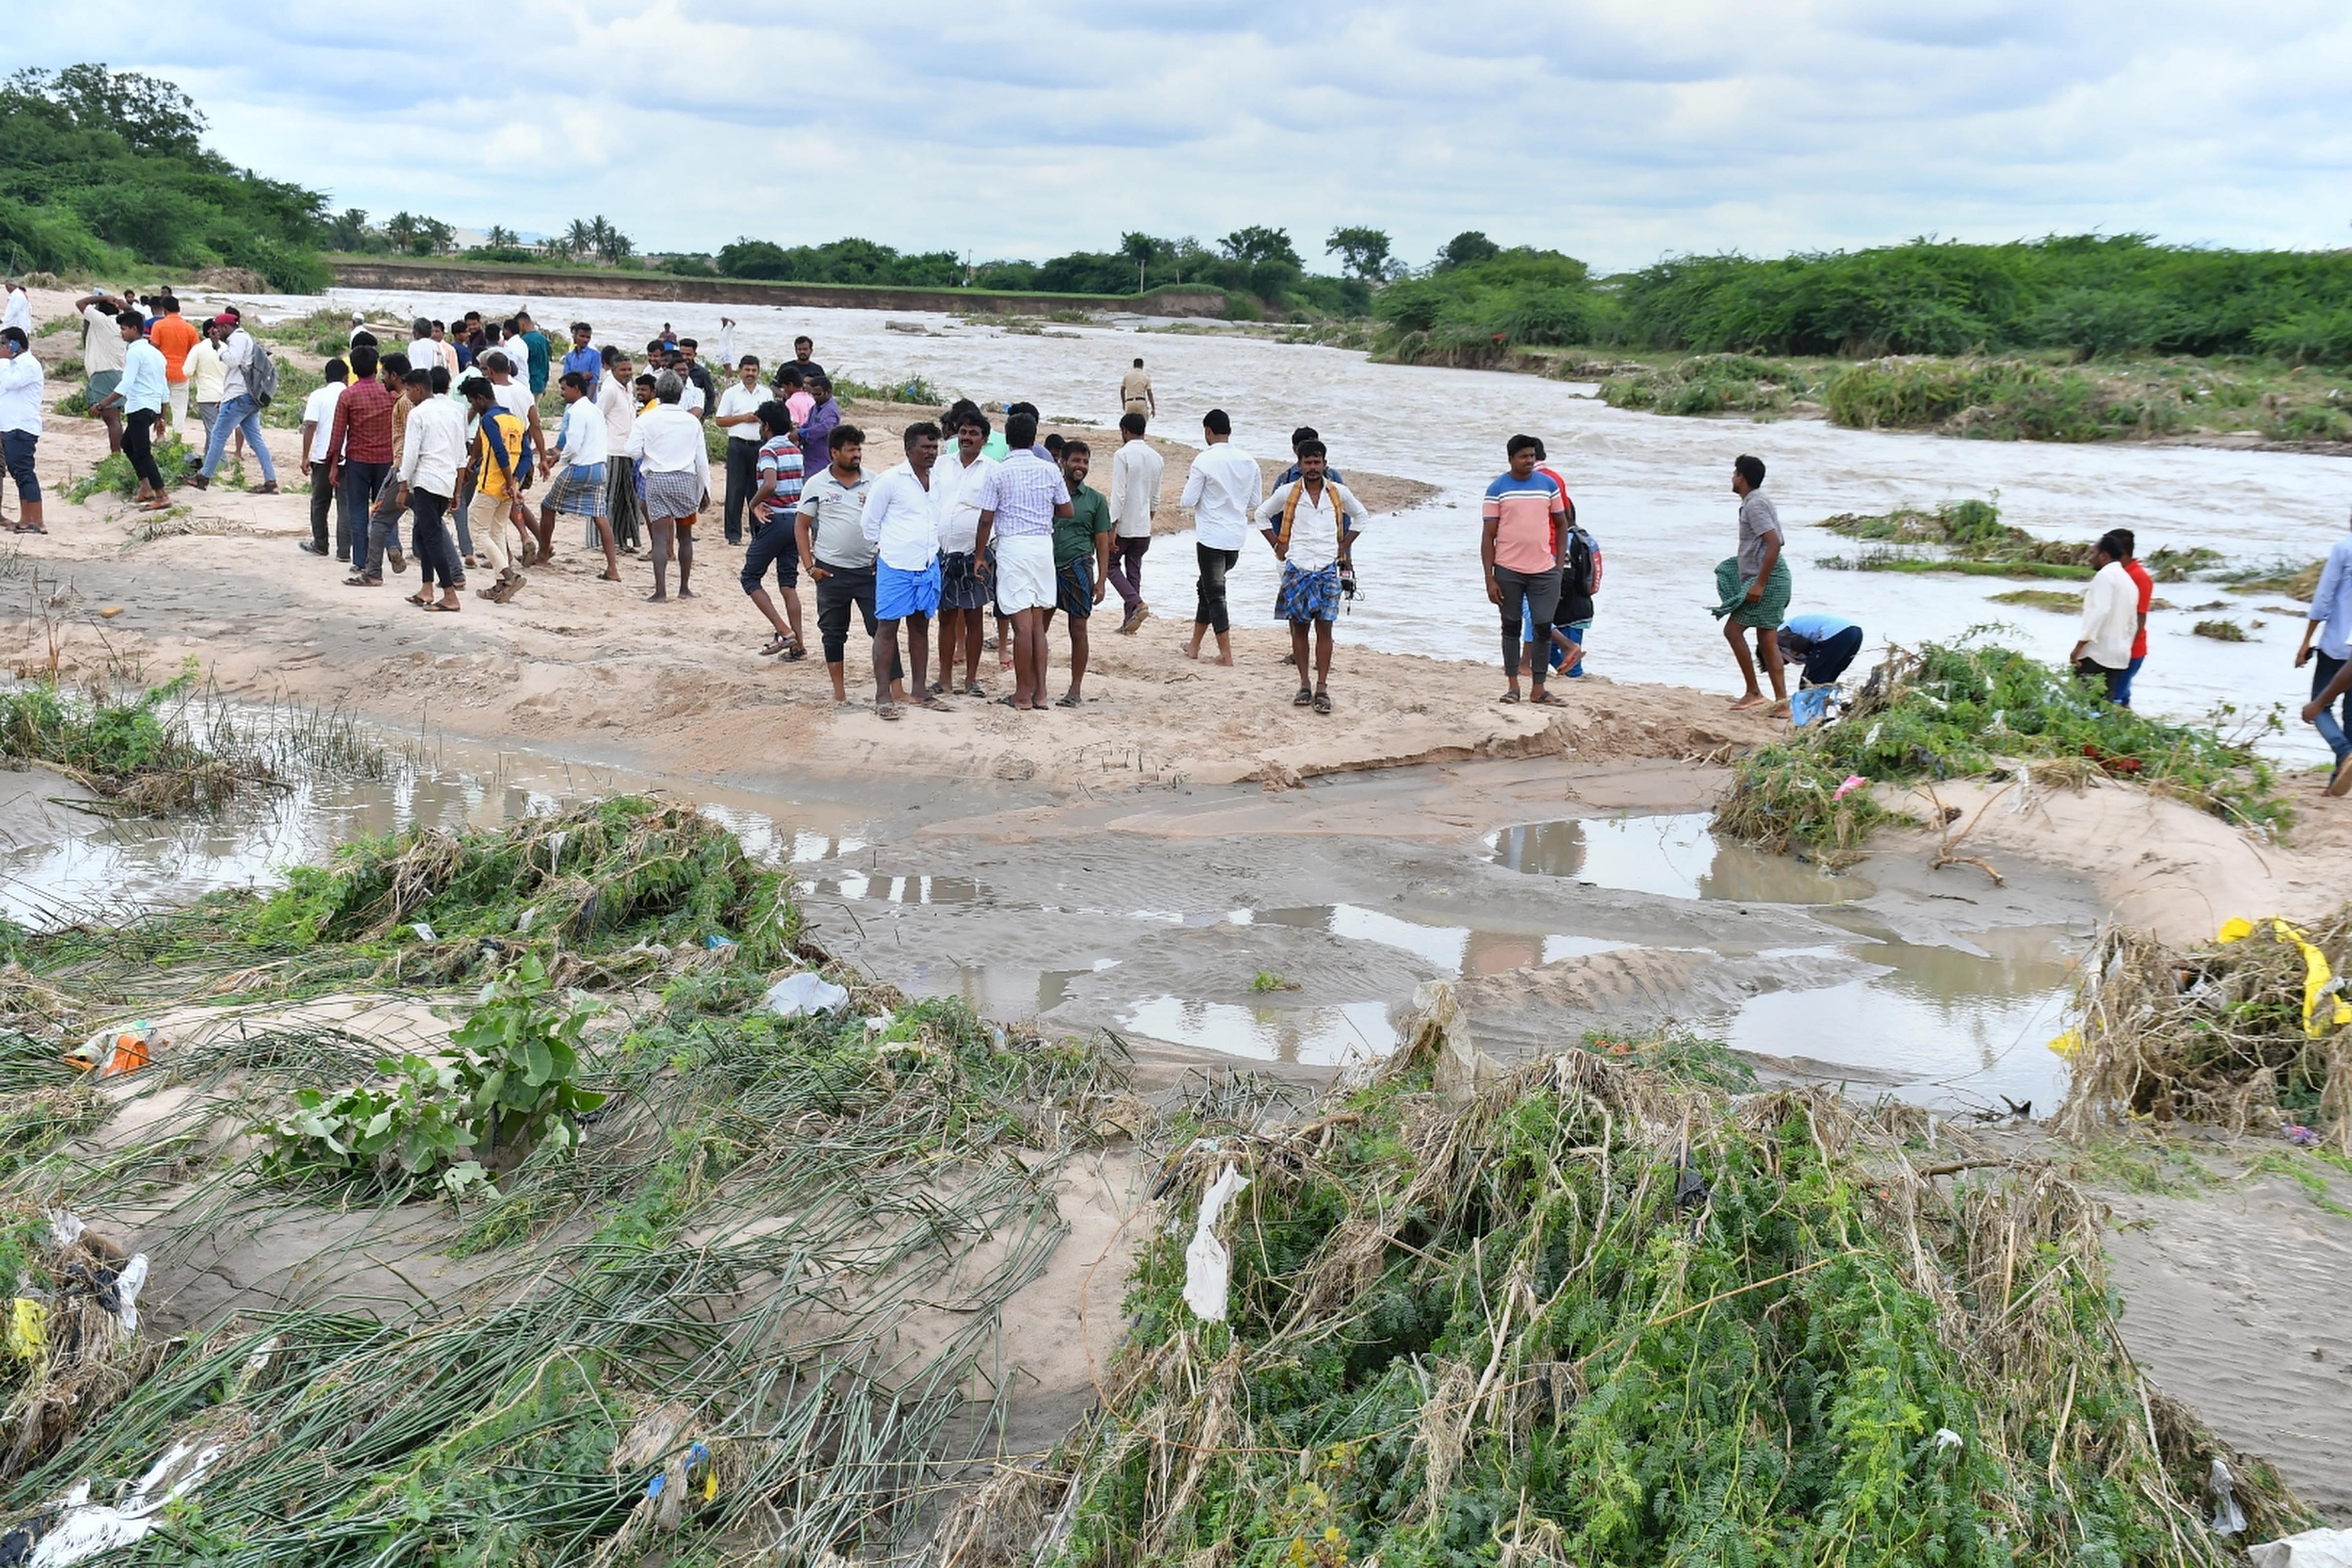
249 380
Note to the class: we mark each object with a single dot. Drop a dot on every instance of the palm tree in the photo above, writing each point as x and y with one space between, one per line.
500 235
579 239
400 228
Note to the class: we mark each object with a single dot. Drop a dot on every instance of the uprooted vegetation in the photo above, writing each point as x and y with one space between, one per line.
2248 1033
1969 537
1602 1314
753 1306
1710 383
1953 712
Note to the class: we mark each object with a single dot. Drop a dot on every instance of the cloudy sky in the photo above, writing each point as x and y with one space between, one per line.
1615 129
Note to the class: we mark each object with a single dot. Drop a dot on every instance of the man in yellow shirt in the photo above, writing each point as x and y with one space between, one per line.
496 469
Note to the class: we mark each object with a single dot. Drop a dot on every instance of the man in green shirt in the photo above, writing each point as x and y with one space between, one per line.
1081 561
535 350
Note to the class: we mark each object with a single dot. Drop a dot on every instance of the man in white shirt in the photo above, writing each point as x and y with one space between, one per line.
902 521
318 430
432 455
138 398
425 351
617 400
667 443
240 413
19 313
1135 470
580 444
1018 502
1311 523
2110 617
964 586
101 360
20 424
1222 492
738 416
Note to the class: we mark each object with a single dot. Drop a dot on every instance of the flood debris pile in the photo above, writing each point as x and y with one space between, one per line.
1598 1313
1973 710
749 1302
1709 383
2249 1032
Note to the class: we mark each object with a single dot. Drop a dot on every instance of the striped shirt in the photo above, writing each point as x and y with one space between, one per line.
780 460
1522 510
1022 492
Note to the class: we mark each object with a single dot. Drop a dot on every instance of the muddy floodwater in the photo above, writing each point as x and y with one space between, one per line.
1653 488
1292 953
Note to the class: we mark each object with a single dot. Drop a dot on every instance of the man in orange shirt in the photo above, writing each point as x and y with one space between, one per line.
2147 586
176 336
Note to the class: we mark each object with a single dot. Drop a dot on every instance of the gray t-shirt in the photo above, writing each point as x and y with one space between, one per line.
837 514
1758 520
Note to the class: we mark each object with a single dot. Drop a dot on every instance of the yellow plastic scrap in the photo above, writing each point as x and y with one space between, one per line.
2067 1043
28 1330
2317 977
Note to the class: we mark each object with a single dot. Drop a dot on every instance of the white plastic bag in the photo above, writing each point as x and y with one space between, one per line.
127 1286
2229 1519
807 992
1208 1267
2312 1549
88 1530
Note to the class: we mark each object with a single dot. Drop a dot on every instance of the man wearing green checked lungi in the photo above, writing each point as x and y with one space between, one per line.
1752 587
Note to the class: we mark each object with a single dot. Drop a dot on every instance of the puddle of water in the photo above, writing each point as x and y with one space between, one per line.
1454 951
1675 856
1308 1037
62 863
1960 1030
898 889
1001 991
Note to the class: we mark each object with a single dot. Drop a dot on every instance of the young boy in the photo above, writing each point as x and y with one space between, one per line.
494 469
775 529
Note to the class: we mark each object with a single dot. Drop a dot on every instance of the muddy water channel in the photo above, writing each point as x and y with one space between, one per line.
1288 933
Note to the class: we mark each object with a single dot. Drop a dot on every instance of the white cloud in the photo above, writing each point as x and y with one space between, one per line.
1617 130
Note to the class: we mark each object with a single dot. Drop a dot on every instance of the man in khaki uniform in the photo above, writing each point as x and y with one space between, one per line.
1135 394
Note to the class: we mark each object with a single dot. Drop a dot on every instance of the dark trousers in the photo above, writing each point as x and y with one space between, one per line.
1210 611
138 445
1529 598
2112 681
16 453
323 496
436 557
1126 569
742 478
776 544
842 587
355 492
1827 659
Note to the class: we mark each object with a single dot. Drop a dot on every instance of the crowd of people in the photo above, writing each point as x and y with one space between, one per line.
974 524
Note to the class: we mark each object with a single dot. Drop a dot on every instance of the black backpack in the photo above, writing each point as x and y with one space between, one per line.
1584 574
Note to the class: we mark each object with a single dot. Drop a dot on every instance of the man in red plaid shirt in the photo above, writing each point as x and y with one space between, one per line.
359 450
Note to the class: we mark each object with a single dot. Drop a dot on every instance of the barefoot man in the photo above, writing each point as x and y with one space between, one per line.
580 451
902 524
666 446
1753 586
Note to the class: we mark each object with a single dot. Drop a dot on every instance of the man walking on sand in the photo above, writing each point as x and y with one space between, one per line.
1222 492
1135 472
318 430
901 521
579 448
964 582
1082 544
433 454
1019 502
833 543
139 397
361 452
667 442
1312 523
1752 588
1135 393
2331 608
240 410
501 456
1523 527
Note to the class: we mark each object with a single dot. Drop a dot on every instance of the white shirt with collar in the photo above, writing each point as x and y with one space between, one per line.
667 439
19 313
582 437
740 399
2110 617
20 393
1315 527
959 489
1221 491
435 452
1135 470
902 517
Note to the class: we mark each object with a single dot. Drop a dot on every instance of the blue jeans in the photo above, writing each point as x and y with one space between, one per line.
239 413
2331 729
2122 698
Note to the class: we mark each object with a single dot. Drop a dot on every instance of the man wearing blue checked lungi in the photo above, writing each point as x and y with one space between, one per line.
1312 523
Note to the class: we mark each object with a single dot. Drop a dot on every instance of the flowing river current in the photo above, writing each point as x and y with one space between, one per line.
1654 489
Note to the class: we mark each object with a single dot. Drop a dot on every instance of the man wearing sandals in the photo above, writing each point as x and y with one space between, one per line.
1312 523
901 521
775 507
1522 539
1082 544
1019 501
433 454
